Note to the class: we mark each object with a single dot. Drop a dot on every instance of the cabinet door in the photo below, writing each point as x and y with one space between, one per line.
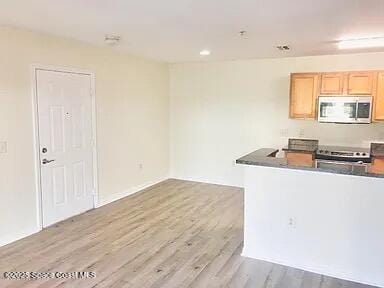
300 159
304 92
379 99
377 166
360 83
332 83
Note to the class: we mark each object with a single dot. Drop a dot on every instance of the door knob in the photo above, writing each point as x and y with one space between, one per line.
45 161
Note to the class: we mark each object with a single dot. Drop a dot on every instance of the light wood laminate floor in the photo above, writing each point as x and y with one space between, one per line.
174 234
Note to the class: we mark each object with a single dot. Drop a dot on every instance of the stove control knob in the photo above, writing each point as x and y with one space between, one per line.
358 154
321 151
326 152
364 154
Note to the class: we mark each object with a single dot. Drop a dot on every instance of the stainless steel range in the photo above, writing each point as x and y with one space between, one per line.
345 158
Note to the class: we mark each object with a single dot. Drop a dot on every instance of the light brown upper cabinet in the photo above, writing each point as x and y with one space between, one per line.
306 87
303 96
360 83
379 98
332 83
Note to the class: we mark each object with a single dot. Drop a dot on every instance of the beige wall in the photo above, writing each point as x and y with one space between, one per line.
132 118
220 111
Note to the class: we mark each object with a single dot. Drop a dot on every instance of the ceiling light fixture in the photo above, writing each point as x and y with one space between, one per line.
112 39
361 43
205 52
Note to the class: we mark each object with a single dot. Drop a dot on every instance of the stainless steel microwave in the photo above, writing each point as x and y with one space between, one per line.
345 109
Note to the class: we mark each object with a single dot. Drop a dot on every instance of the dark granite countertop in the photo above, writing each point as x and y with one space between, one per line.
263 157
266 157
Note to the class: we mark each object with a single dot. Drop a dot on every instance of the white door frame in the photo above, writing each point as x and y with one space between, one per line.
34 69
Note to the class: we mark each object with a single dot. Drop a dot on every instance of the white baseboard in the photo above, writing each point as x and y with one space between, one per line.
334 274
4 240
133 190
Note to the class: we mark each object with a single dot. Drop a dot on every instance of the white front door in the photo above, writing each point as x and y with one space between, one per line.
66 144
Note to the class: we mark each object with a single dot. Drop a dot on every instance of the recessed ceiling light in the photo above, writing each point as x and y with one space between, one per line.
205 52
111 39
361 43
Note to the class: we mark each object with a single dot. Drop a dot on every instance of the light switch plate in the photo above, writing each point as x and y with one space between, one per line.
3 147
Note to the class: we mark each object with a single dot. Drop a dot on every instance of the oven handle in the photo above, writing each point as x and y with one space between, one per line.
359 163
317 161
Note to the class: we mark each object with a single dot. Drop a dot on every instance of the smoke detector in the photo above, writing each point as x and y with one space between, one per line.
111 39
283 47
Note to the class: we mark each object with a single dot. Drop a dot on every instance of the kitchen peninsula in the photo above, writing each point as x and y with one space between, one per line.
329 221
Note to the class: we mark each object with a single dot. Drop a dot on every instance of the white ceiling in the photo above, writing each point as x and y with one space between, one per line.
176 30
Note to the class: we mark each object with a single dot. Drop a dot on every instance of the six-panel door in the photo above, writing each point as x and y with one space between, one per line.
66 144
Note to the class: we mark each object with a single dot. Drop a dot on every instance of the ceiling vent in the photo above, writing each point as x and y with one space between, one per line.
112 39
283 48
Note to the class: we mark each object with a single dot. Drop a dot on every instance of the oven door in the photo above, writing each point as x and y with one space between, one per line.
357 167
341 109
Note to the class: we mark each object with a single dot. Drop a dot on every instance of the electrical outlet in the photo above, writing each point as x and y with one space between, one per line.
3 147
141 166
302 132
